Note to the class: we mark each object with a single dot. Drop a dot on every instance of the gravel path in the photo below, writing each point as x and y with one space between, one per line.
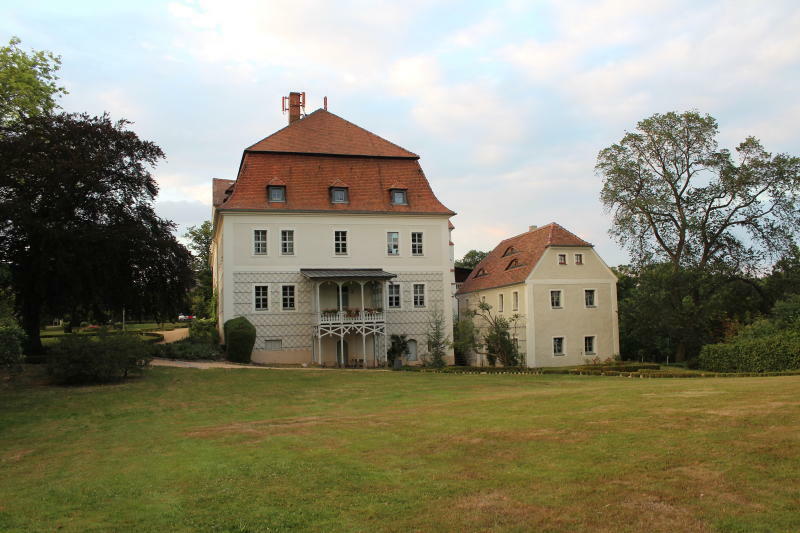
174 335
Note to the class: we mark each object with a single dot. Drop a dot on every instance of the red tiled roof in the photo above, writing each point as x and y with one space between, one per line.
450 225
218 188
308 180
529 248
322 132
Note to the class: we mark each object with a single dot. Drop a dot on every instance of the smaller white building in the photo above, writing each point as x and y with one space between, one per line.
559 295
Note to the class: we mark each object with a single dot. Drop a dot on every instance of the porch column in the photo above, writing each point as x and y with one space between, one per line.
363 331
340 355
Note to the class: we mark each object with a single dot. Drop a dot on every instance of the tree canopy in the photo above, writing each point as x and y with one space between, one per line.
199 238
27 82
471 259
677 197
77 225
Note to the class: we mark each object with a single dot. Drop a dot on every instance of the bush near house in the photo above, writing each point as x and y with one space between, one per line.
11 339
79 359
240 337
204 330
190 349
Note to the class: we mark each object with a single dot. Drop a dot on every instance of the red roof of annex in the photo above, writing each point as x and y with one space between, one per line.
526 249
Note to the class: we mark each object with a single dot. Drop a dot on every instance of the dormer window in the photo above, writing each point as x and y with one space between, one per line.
399 196
277 193
513 264
480 273
339 195
510 250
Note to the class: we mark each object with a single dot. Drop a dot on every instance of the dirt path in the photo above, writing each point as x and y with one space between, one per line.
174 335
204 365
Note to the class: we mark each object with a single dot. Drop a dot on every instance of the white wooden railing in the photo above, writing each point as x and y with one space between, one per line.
349 317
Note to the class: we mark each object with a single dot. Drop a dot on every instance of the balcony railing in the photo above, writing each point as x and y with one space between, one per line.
351 316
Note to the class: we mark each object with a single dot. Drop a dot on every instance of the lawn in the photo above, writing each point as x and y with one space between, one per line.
265 450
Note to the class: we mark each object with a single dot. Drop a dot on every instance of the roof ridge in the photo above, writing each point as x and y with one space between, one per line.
368 131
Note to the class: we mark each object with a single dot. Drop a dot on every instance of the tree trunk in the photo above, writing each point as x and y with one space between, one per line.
680 352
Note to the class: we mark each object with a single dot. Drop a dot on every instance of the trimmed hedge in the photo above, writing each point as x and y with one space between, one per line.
240 337
80 359
770 353
189 349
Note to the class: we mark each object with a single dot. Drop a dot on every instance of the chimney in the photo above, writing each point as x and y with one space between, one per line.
531 228
295 105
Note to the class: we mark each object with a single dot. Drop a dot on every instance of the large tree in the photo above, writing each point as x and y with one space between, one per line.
680 200
27 82
471 259
677 197
77 226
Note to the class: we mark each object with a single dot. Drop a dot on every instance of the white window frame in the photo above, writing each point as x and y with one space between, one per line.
266 243
563 346
388 232
594 344
424 295
500 303
560 262
272 349
399 295
595 298
281 188
421 243
346 195
405 196
560 299
294 297
253 293
293 241
346 242
577 262
515 301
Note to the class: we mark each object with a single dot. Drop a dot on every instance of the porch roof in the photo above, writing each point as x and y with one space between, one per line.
346 273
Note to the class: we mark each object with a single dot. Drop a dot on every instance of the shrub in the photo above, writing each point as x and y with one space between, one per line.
205 330
187 349
770 353
398 347
11 339
240 337
79 359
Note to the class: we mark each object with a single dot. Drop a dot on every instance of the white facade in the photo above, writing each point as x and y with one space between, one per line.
335 321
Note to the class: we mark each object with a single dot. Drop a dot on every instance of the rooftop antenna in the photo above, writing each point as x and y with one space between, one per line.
295 104
325 103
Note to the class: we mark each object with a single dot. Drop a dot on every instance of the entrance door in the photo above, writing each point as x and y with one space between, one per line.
412 350
339 357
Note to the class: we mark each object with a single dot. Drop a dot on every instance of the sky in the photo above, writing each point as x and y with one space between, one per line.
507 103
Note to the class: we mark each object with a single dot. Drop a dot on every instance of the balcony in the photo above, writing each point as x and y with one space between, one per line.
351 316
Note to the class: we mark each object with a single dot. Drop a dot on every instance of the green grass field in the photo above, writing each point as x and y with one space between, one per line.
266 450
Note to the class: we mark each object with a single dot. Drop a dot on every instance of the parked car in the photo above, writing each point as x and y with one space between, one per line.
184 318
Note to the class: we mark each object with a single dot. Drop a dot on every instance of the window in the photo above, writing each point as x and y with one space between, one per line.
588 296
562 259
500 303
260 242
416 243
510 250
393 243
273 344
399 197
578 259
513 264
277 193
340 242
287 297
394 296
481 273
287 242
339 195
555 299
558 345
588 345
515 301
261 297
419 295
